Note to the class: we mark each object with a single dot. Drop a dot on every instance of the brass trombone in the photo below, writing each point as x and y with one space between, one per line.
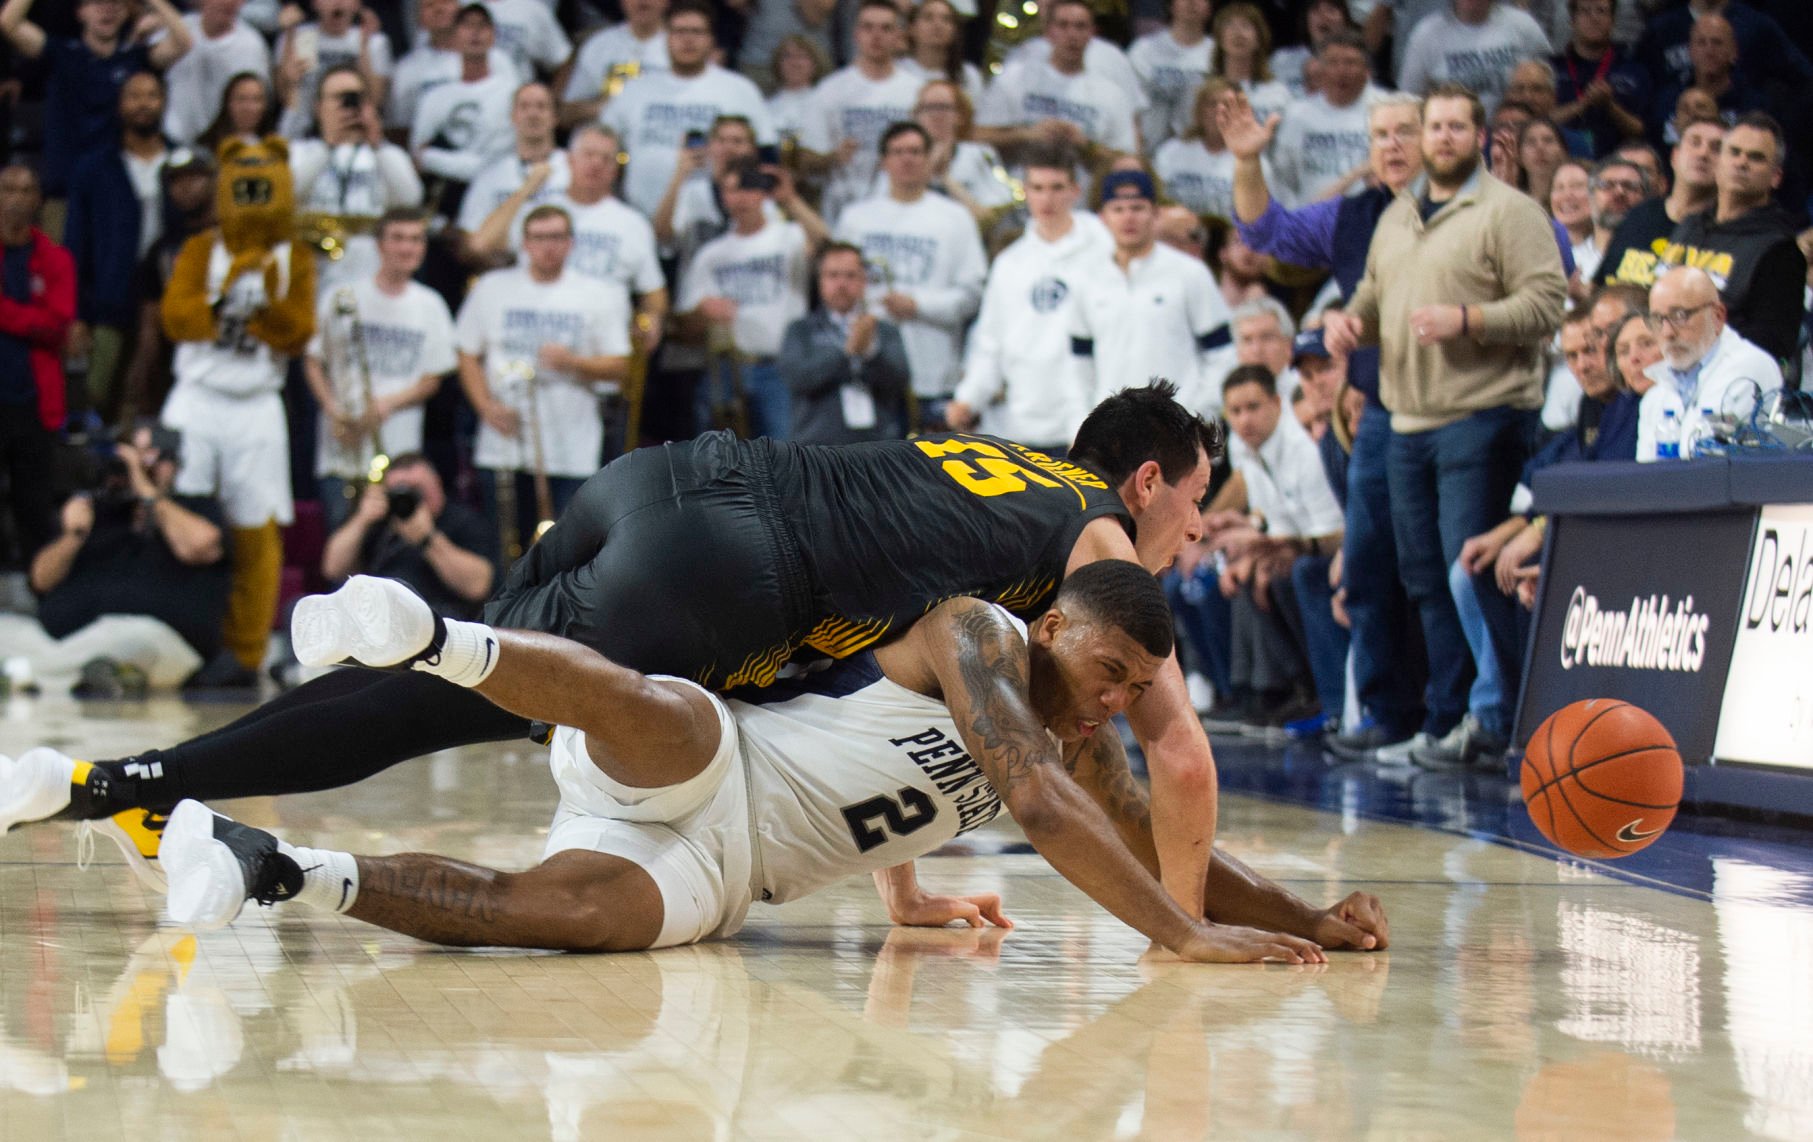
346 307
724 376
522 382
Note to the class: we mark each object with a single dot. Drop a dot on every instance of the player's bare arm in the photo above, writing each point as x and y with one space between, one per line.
1235 893
979 663
1176 748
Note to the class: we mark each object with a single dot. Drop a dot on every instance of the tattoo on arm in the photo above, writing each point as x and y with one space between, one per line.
1122 795
992 666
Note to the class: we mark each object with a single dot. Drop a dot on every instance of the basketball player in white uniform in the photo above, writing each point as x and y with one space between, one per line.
679 808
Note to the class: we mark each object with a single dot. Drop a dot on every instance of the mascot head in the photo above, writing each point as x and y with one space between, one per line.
255 197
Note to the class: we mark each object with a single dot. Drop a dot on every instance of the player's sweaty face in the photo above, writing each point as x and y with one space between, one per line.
1099 672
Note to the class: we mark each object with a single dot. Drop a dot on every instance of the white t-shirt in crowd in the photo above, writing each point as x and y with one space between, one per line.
1286 483
654 112
425 69
1102 58
530 33
1169 74
788 111
1267 99
405 337
1017 368
1199 178
330 51
356 180
1034 91
1318 145
971 78
1442 49
1158 318
605 50
765 273
507 319
849 105
501 178
196 82
929 250
459 126
1287 66
610 241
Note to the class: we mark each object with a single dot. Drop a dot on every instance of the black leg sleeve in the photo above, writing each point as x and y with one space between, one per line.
351 725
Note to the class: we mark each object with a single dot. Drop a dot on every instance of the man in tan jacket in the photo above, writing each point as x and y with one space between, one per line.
1463 287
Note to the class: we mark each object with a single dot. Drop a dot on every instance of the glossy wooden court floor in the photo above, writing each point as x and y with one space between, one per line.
1522 998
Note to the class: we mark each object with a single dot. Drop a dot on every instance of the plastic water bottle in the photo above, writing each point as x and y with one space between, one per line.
1706 435
1668 436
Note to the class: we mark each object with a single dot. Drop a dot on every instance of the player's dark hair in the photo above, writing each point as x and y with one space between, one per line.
1125 595
1137 425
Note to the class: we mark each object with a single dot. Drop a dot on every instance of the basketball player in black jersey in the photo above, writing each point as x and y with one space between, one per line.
720 560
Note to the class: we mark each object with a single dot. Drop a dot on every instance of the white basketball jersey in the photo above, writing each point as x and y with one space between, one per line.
850 772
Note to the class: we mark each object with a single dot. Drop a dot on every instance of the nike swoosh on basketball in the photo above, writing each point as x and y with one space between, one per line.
1630 834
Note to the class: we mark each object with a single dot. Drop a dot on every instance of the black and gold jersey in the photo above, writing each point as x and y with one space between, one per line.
890 529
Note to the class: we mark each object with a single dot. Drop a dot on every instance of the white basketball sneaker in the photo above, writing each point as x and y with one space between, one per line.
38 785
215 864
367 622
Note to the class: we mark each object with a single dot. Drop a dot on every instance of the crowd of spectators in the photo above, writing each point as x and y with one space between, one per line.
1408 250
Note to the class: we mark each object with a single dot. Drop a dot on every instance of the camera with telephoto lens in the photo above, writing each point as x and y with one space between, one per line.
403 502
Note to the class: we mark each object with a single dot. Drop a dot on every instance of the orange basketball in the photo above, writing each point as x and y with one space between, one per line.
1602 778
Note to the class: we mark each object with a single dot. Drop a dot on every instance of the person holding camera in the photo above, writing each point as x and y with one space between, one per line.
406 529
135 587
347 178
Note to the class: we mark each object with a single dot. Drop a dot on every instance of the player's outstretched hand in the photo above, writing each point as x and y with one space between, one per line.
1227 944
930 910
1357 922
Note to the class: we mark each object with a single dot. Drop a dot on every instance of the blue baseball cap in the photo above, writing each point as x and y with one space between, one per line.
1129 184
1309 344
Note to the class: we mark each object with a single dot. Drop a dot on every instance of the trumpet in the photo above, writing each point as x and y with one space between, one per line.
522 381
346 307
328 232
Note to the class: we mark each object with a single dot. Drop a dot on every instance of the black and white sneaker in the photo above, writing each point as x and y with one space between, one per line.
367 622
215 864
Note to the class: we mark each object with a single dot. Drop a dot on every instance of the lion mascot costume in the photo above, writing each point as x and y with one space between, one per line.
240 302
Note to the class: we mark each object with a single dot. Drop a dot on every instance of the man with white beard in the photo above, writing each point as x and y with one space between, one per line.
926 264
1017 371
1705 363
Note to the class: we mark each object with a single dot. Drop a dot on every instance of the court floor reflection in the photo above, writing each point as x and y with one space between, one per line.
1522 998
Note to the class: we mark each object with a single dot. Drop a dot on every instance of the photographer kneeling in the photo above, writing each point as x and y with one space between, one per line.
134 590
406 529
